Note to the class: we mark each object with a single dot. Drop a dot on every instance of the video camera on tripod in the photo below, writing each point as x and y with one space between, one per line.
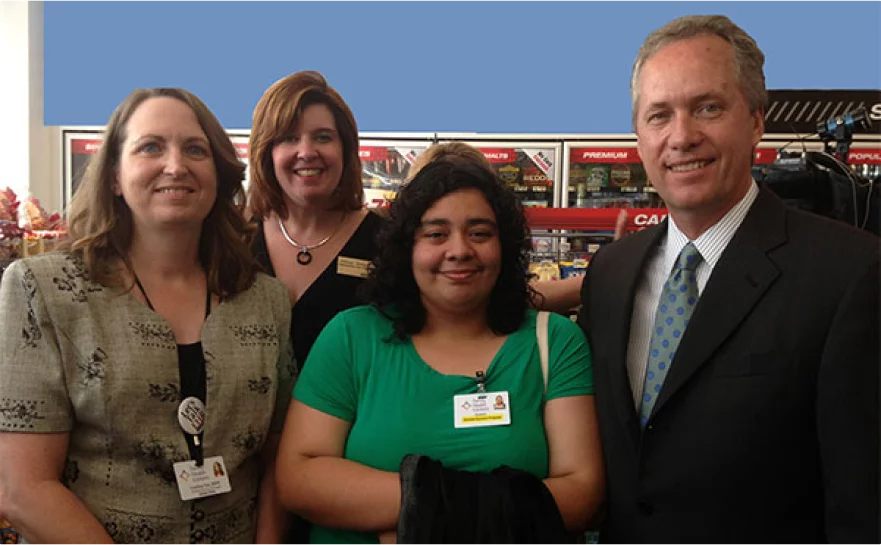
823 182
837 132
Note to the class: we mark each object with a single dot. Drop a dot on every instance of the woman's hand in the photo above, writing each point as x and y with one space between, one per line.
621 224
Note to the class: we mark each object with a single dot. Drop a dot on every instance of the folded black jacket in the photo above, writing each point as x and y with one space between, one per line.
441 505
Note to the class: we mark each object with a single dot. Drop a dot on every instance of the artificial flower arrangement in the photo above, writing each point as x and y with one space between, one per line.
25 227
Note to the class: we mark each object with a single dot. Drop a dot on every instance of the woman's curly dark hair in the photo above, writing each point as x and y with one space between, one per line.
391 286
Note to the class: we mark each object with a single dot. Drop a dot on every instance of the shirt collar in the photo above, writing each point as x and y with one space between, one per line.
714 240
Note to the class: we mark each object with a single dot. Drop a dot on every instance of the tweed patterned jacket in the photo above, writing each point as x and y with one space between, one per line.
94 362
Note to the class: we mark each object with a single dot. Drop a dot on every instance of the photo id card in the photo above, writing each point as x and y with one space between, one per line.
199 482
482 409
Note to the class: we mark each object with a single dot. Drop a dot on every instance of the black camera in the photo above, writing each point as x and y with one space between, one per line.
842 126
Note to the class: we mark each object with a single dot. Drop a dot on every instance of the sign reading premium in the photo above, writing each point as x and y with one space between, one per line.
792 111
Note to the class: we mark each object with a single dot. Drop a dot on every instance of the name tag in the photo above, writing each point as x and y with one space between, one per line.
349 266
200 482
482 409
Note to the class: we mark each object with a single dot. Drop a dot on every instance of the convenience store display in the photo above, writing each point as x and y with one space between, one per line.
530 168
8 535
385 165
578 234
606 175
580 180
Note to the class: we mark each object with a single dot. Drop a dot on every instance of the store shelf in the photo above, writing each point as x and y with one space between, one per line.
591 219
543 188
604 191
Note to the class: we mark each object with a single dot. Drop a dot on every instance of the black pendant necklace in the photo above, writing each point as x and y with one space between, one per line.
304 256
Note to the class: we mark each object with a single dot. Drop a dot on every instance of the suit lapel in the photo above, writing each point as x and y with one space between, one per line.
740 278
621 294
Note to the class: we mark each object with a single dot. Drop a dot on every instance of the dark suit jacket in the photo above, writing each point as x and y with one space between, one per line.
767 425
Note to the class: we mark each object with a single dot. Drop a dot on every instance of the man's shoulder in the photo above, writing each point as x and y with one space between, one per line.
812 231
825 235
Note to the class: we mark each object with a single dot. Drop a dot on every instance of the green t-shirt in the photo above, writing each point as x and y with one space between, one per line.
399 405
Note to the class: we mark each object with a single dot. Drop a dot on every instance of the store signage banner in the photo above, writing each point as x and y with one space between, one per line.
544 160
792 111
864 157
372 153
765 156
604 155
499 155
85 147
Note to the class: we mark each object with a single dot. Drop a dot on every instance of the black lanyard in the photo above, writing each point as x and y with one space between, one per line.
193 376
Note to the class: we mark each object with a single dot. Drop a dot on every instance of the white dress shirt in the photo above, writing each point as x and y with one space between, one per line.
710 244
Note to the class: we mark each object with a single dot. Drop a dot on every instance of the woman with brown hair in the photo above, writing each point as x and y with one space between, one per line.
314 232
148 349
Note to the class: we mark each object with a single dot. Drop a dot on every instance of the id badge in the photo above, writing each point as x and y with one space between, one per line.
350 266
482 409
209 479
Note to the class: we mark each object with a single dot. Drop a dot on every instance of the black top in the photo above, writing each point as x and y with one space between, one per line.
193 376
330 293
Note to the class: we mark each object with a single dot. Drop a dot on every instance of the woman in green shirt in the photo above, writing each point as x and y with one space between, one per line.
449 325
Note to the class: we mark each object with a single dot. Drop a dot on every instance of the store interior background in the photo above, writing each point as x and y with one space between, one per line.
484 67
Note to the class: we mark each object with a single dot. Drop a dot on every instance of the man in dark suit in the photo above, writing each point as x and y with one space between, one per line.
736 345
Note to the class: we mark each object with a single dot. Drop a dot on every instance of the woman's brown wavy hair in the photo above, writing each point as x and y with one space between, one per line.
100 223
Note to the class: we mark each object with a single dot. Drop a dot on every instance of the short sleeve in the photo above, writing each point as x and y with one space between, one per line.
286 369
33 392
327 381
570 370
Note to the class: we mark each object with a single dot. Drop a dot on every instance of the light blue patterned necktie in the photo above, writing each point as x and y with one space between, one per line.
678 299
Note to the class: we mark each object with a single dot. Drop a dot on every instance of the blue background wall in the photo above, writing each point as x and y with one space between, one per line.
515 67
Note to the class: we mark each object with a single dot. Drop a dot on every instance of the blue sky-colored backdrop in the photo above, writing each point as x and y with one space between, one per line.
490 67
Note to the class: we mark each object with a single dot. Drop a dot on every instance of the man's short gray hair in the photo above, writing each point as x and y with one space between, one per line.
748 58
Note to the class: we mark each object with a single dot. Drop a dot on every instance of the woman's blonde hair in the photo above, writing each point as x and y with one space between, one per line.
100 226
458 150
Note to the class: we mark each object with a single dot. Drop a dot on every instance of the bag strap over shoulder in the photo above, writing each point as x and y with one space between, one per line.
541 333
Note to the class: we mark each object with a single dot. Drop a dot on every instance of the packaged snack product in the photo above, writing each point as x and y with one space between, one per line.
577 174
620 175
532 176
545 270
598 176
577 267
510 174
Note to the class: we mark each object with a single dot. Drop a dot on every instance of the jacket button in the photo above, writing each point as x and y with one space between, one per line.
645 508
